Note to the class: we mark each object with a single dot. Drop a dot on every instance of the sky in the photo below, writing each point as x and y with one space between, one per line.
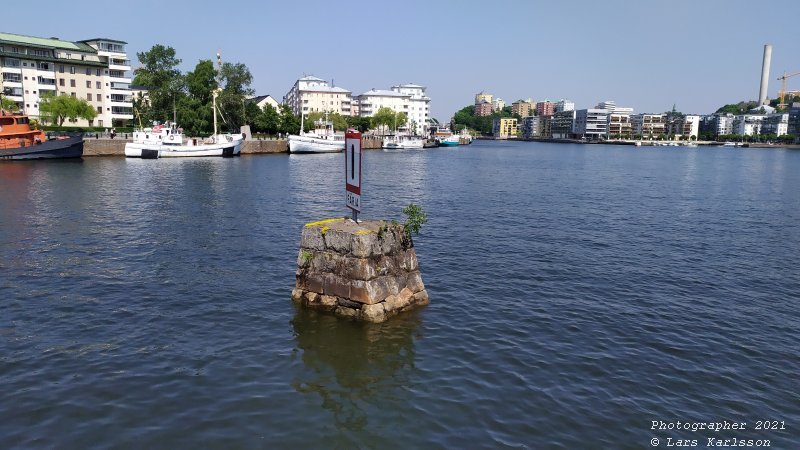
648 55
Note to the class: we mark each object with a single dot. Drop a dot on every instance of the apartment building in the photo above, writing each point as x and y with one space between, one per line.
545 108
418 106
483 109
504 128
531 127
649 126
719 124
619 125
591 124
522 108
310 94
482 96
562 124
564 105
96 70
498 104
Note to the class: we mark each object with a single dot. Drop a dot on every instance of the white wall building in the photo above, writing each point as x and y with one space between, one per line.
565 105
310 94
498 104
371 101
418 106
96 70
592 123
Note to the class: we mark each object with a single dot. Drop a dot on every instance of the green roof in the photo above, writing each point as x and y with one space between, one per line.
45 42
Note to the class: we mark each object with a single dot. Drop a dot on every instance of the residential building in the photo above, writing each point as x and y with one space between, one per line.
498 104
794 120
562 125
748 124
545 126
521 108
777 124
619 125
504 127
648 126
483 108
531 127
591 124
482 96
310 94
96 70
263 100
418 106
690 126
545 108
718 124
564 105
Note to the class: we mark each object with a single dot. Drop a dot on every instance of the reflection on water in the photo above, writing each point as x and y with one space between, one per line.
354 366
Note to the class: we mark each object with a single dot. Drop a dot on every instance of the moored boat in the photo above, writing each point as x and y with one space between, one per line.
449 141
323 139
18 141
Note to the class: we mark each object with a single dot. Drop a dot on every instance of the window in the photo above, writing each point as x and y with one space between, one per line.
72 70
100 110
89 97
97 84
88 71
61 82
97 72
100 123
61 68
99 98
73 94
71 83
88 84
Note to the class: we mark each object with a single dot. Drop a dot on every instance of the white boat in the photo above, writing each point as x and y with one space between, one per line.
167 141
402 142
322 140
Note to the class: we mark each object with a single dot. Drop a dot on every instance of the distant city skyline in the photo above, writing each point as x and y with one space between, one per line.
644 55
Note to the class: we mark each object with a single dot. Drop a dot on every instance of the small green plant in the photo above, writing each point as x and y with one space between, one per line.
415 218
306 256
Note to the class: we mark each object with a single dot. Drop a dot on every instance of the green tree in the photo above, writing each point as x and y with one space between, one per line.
339 121
160 75
235 81
383 119
290 124
269 120
8 104
194 109
58 108
361 124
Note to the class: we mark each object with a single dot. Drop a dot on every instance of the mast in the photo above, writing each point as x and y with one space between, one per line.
216 91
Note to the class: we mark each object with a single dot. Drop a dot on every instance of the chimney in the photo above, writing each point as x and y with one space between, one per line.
762 92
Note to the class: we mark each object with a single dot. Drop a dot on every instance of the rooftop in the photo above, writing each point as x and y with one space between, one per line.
384 93
325 89
45 42
310 78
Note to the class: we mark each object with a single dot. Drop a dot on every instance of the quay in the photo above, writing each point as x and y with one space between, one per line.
105 146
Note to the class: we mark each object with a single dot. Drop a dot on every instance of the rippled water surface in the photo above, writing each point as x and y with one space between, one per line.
577 294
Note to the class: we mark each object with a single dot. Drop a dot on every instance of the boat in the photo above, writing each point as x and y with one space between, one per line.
18 141
167 141
449 141
323 139
464 137
402 142
729 144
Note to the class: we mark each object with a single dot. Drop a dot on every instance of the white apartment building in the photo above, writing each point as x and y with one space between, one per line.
95 70
649 126
498 104
311 94
592 123
418 106
565 105
754 124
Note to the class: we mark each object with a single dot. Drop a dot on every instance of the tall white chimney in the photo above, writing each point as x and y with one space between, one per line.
762 92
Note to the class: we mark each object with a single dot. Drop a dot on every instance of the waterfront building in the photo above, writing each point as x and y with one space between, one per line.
777 124
483 109
263 100
355 107
794 120
504 127
311 94
562 125
690 126
545 125
545 108
482 96
619 125
564 105
418 106
748 124
531 127
648 126
96 70
718 124
591 124
521 108
498 104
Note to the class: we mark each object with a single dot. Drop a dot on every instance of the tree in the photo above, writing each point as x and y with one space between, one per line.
8 104
290 124
269 120
362 124
386 118
339 122
160 75
57 108
235 81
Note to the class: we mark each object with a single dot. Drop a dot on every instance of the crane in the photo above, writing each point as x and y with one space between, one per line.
782 92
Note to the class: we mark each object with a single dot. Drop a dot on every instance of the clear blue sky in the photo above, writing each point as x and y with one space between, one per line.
697 54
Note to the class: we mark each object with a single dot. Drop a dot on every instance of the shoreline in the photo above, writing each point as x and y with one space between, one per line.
645 143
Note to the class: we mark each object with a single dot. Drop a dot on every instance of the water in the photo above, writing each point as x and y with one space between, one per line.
577 294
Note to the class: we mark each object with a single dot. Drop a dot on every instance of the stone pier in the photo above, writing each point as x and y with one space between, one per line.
364 271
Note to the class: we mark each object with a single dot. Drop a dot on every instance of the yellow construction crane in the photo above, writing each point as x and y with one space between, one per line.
782 92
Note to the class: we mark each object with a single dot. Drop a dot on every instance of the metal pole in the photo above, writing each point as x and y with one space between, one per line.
355 215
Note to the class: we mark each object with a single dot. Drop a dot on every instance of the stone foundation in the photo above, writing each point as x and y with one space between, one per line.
365 271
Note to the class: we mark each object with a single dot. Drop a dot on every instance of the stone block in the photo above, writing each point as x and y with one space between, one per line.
373 313
421 297
360 269
327 302
345 312
336 285
311 298
347 303
363 244
338 241
327 262
405 297
414 282
297 294
315 282
407 260
311 238
373 291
